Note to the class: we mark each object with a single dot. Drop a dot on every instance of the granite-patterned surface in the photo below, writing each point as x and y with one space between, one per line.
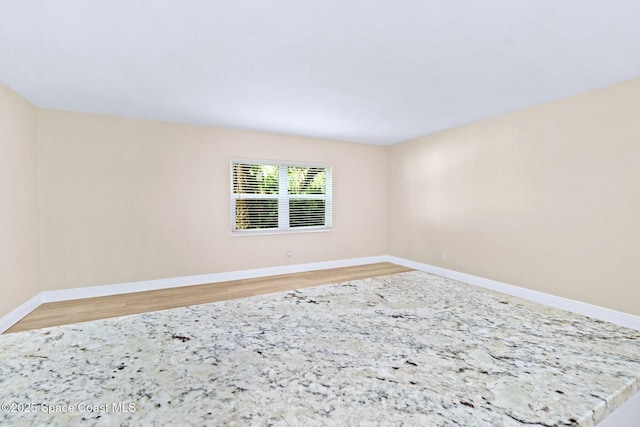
408 349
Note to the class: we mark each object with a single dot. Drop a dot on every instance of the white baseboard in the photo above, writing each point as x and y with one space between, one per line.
176 282
601 313
616 317
17 314
149 285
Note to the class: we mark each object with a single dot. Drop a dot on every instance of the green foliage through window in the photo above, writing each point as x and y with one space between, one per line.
268 196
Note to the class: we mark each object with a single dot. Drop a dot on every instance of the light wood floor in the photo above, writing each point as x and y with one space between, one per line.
82 310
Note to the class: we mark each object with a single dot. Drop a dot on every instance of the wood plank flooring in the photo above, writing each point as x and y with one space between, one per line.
82 310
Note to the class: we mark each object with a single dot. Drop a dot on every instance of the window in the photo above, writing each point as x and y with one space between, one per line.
268 196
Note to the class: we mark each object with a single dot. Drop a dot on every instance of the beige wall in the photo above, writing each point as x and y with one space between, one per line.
547 198
125 200
19 269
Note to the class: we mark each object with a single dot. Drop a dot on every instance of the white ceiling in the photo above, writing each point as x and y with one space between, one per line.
372 71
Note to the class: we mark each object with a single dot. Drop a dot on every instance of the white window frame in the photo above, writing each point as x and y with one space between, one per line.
283 198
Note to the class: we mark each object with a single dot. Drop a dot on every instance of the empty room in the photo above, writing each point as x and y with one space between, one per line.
319 213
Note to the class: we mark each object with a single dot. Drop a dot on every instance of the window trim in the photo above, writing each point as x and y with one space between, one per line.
283 202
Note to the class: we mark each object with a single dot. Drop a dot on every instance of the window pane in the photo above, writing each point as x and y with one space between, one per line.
255 179
307 180
254 214
276 197
306 213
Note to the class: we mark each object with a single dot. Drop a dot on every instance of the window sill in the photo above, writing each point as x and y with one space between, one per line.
265 232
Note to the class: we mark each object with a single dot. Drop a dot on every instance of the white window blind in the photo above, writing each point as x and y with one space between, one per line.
269 196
